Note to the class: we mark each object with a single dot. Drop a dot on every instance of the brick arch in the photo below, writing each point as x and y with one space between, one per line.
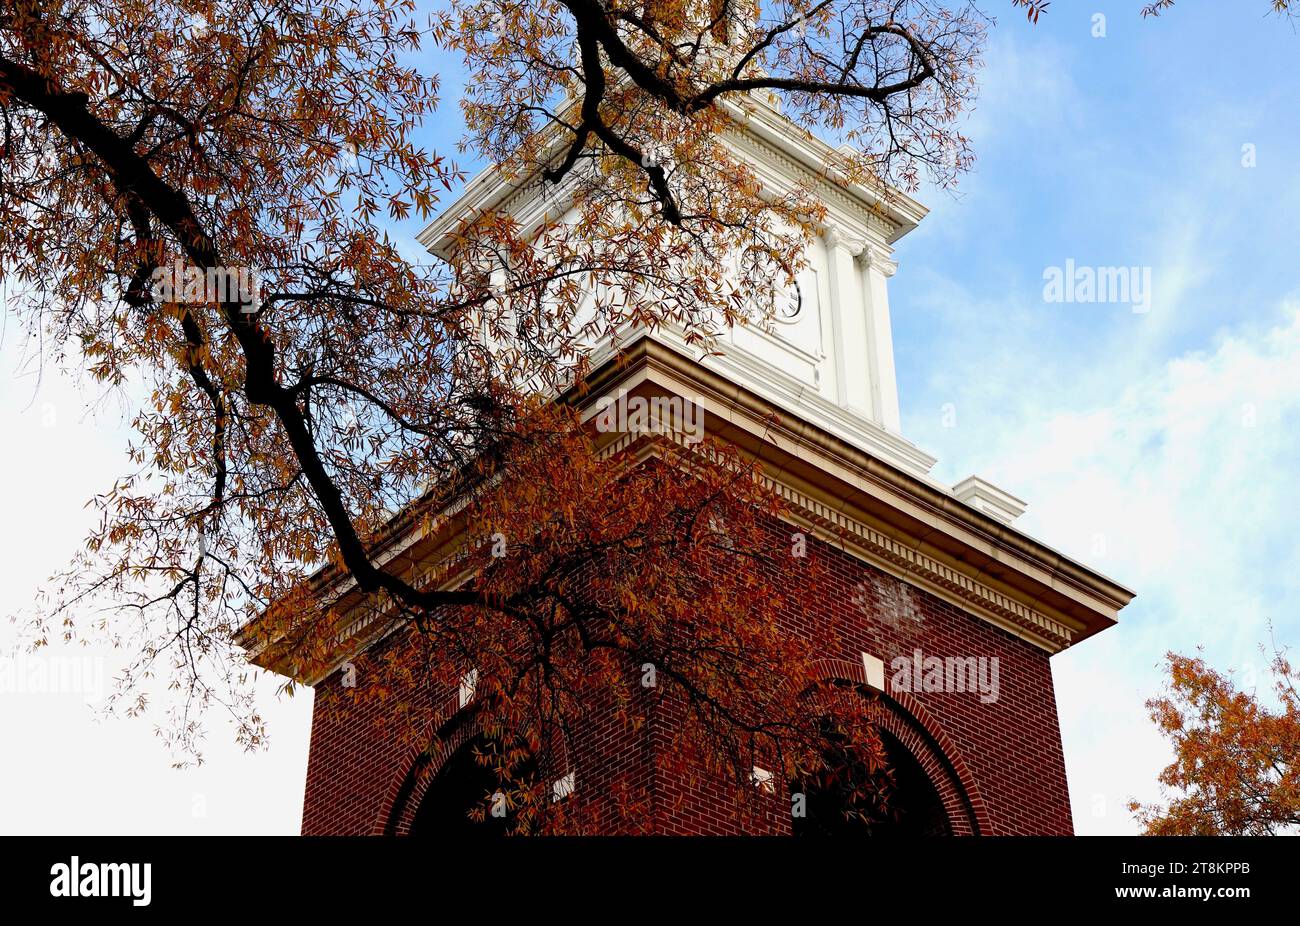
903 717
421 768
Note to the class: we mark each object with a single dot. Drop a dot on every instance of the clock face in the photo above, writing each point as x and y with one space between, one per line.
793 302
790 303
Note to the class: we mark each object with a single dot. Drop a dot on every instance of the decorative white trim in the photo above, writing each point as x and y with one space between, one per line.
927 572
837 237
893 556
874 257
836 528
782 153
797 398
774 140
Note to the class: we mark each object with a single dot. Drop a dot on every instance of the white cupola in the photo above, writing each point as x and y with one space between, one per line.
828 356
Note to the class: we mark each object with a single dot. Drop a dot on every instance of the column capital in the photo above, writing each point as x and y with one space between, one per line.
874 257
836 237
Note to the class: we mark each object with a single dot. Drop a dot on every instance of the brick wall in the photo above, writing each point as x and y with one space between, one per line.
1001 761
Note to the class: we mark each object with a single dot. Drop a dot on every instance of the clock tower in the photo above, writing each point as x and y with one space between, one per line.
952 614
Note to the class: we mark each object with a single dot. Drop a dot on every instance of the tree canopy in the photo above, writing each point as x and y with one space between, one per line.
143 144
1236 768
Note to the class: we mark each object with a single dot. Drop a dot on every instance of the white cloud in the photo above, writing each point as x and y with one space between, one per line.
1180 483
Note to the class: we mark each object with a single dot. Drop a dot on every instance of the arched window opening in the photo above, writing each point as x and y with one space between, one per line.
913 806
464 785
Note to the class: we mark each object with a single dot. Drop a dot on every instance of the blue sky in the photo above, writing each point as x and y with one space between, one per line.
1162 448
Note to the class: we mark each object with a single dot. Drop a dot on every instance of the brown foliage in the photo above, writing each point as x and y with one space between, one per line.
1236 768
280 436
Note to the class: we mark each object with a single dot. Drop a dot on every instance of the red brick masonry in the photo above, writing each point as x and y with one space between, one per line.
998 766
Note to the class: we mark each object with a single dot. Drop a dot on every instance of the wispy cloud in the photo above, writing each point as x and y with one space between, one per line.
1178 482
1163 448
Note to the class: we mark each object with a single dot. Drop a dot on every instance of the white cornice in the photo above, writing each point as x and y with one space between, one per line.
887 553
810 157
793 396
865 505
790 154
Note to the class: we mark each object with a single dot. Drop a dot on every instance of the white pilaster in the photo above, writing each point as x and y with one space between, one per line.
877 268
848 324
